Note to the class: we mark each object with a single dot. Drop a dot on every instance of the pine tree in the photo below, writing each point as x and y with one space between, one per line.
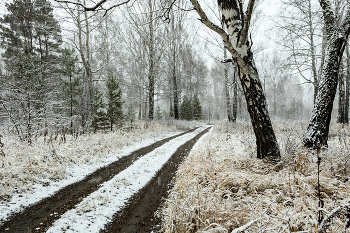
31 38
70 83
99 116
115 103
197 108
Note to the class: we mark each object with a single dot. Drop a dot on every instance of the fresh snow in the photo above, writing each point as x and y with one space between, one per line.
48 187
96 210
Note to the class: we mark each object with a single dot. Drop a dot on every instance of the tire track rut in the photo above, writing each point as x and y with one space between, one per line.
40 216
139 214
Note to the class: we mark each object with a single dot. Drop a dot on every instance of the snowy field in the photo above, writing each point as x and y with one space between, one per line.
30 173
222 187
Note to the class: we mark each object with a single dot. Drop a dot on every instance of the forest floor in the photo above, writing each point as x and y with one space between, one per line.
90 203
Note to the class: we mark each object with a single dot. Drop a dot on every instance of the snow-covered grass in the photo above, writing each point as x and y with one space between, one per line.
98 208
31 172
222 187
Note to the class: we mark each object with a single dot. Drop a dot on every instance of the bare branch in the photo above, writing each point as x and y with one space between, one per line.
97 5
334 213
246 25
204 19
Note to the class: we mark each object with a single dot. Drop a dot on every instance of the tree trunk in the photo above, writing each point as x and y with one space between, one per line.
235 97
151 64
256 103
341 103
347 93
176 98
237 43
318 129
227 92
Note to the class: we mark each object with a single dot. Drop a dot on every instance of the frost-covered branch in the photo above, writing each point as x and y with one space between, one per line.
245 227
327 221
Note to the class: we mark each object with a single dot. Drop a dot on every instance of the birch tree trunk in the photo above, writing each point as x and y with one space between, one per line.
235 97
237 43
227 92
318 129
341 103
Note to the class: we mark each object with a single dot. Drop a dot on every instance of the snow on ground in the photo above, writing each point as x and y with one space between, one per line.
30 173
97 209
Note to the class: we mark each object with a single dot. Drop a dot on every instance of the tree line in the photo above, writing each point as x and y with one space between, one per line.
157 63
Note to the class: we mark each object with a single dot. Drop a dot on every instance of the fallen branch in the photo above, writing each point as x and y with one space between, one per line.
246 226
327 221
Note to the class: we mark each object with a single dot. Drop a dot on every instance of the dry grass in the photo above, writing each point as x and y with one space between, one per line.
222 186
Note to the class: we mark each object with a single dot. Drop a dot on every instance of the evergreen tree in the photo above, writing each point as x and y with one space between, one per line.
186 109
31 38
115 103
171 113
197 108
159 113
99 116
130 115
70 83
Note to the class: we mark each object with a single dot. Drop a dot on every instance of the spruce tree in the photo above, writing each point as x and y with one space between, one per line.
71 84
99 116
115 103
159 113
197 108
130 115
171 113
186 109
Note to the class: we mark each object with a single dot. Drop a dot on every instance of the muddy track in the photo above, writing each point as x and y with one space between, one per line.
40 216
139 214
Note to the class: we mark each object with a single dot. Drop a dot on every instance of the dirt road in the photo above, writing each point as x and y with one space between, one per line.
39 217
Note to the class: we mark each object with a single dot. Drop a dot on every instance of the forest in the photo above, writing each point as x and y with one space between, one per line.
84 83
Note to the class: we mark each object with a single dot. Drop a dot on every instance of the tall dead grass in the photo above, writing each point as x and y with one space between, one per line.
222 187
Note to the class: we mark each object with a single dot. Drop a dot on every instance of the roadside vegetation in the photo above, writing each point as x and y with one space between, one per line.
223 187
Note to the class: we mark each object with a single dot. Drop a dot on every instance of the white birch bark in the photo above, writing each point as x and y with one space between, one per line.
236 41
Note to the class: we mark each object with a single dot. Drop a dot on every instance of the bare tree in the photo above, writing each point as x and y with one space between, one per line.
302 33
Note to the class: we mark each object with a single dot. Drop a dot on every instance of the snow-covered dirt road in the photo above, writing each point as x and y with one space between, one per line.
90 204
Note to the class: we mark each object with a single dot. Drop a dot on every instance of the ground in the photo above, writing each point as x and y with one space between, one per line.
222 187
126 182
